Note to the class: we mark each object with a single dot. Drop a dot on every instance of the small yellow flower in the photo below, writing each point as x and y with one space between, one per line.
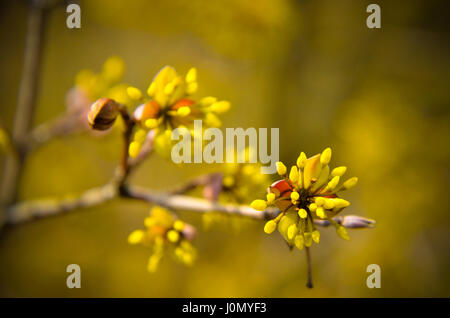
270 227
281 168
342 232
270 198
339 171
191 75
134 93
301 161
178 225
299 242
292 231
302 213
134 149
259 205
320 212
293 175
316 236
325 157
136 237
173 236
350 183
295 196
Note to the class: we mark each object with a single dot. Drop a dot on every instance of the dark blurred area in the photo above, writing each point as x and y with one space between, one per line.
378 97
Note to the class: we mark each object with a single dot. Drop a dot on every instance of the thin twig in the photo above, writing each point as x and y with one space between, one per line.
26 102
309 282
192 184
124 167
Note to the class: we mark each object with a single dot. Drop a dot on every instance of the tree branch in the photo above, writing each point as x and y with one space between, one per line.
25 104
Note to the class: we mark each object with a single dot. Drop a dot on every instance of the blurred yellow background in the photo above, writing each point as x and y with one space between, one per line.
379 98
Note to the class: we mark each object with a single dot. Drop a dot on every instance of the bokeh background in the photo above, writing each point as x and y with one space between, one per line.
378 97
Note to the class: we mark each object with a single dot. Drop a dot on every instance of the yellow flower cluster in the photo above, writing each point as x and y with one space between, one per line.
165 233
170 106
307 192
105 83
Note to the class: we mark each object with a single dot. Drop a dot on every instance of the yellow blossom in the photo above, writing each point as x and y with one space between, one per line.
134 93
259 205
270 227
293 175
307 197
281 168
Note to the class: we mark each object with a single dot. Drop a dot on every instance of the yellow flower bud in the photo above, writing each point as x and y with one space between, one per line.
293 175
259 205
329 204
169 88
333 183
270 197
302 213
281 168
270 226
179 252
325 157
299 242
212 120
285 222
113 69
173 236
134 93
207 101
320 212
320 201
350 183
316 236
301 160
140 135
188 259
308 239
295 196
151 89
292 231
178 225
220 107
134 149
313 207
136 237
149 222
342 232
340 203
191 75
339 171
183 111
228 181
192 88
153 263
151 123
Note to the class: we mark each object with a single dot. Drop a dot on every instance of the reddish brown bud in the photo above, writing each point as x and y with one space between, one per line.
189 232
357 222
103 113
